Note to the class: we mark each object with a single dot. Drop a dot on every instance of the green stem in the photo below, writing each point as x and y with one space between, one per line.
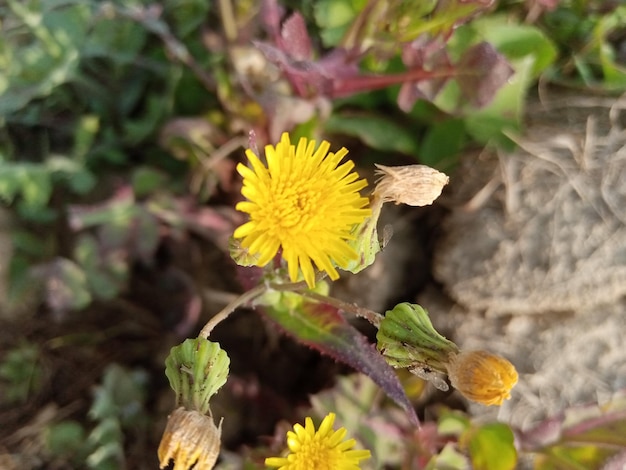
228 20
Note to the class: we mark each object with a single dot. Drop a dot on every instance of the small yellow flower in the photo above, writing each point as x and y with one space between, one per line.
305 203
482 377
321 450
190 437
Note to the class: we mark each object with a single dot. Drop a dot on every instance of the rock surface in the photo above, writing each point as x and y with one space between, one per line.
533 253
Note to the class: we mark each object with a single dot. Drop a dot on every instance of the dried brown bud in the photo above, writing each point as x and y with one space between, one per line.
414 185
190 437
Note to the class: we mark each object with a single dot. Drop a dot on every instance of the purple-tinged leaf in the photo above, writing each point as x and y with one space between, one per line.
590 436
427 54
322 327
617 462
65 286
271 13
305 75
481 72
295 39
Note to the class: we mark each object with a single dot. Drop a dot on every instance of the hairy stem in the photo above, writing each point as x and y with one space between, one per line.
230 308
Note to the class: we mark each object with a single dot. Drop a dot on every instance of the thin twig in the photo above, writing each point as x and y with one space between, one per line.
230 308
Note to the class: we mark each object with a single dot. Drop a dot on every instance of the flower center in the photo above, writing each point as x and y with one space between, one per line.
315 455
294 207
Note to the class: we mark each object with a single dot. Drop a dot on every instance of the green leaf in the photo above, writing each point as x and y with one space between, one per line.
146 180
377 132
334 17
517 41
187 16
28 243
140 128
449 459
115 37
104 278
66 285
442 143
65 439
85 134
119 397
45 53
322 327
21 373
491 448
453 423
504 113
613 72
72 173
28 180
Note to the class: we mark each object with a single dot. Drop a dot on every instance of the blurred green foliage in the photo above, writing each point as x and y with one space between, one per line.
117 410
20 373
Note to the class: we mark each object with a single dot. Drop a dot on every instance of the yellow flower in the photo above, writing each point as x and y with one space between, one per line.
482 377
190 437
321 450
304 202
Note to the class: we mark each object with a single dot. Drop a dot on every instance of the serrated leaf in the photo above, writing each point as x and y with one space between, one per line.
322 327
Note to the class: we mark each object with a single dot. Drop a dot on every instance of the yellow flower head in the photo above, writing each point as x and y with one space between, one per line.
304 202
321 450
482 377
189 438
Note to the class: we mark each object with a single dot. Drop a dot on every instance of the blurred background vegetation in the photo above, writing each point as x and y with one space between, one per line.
121 123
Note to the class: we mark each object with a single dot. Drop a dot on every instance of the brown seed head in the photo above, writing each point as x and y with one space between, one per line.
190 437
414 185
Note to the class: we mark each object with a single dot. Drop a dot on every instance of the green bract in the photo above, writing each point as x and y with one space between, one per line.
407 338
196 369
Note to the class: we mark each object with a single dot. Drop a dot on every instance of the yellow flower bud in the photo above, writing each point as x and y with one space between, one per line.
414 185
482 377
190 437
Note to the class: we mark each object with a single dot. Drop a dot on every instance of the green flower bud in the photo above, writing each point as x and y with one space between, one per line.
196 369
407 338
